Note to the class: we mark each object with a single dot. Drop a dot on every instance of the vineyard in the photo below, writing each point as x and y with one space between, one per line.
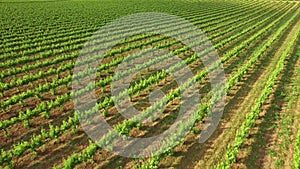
257 42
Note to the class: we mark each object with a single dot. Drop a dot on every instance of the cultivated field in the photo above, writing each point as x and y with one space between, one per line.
258 43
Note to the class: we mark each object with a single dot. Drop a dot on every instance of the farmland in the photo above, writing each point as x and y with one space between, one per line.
258 45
